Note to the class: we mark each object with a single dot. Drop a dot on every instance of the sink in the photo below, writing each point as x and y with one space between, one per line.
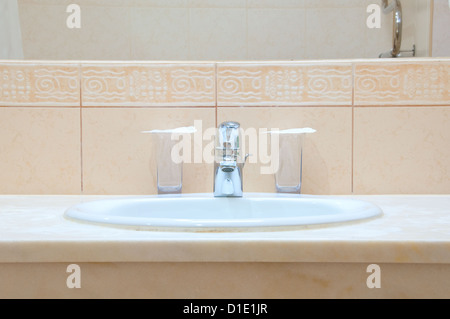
204 212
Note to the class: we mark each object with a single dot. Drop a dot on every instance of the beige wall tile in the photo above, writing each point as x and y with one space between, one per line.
159 33
402 150
104 33
79 2
23 84
141 3
217 3
284 84
333 3
119 159
423 28
156 3
269 39
327 158
148 84
335 33
441 25
402 83
217 34
40 150
276 3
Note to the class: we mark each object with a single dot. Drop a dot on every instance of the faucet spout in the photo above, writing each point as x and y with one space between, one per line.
227 187
228 164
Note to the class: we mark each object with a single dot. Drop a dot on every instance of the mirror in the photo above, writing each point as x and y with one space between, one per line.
198 30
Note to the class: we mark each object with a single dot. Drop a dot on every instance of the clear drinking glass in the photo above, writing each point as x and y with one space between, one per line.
288 177
169 173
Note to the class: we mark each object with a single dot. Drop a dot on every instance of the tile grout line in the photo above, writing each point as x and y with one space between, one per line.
353 150
353 128
81 132
130 31
215 92
246 30
189 53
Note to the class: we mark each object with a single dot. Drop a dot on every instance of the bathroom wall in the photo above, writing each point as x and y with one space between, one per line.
216 29
75 127
10 35
441 25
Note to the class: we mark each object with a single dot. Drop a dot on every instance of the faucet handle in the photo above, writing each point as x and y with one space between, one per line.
245 159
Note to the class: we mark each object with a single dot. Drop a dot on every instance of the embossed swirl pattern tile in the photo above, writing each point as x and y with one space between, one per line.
148 85
402 83
39 84
284 84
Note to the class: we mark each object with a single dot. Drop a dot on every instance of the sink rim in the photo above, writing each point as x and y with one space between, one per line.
367 210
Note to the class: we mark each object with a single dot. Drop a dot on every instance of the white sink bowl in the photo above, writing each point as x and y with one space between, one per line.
203 212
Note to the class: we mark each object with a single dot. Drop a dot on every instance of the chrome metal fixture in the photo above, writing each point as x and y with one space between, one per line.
228 163
396 7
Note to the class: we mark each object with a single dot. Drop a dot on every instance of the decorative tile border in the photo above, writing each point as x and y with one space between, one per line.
46 84
150 84
402 83
356 82
253 84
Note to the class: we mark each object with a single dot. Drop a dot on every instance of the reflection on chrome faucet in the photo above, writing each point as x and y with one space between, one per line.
228 163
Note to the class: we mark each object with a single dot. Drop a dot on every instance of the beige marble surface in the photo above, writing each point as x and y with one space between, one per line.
413 229
206 280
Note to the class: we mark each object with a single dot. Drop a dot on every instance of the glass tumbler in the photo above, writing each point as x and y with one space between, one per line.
169 172
288 177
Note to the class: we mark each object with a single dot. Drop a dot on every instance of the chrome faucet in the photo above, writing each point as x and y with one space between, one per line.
228 163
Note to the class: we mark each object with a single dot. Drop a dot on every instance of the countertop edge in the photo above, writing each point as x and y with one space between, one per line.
222 251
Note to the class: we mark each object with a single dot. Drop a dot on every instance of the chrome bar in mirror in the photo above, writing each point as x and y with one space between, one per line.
397 24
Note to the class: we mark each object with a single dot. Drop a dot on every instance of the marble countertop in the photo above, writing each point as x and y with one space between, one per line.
413 229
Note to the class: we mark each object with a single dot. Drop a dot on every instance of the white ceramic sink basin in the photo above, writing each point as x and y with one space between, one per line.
203 212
